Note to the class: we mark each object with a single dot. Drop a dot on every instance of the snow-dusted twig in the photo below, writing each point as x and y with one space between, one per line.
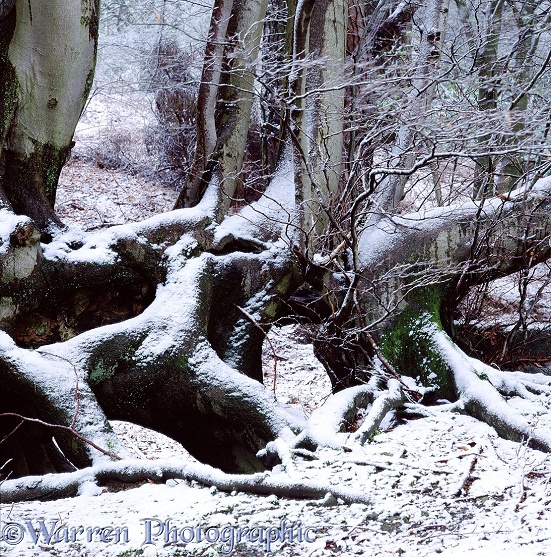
466 475
56 426
2 467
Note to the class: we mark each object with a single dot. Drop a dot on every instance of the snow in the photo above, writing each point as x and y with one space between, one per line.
305 383
8 223
410 473
273 212
93 251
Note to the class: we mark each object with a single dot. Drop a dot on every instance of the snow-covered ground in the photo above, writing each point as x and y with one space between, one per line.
444 484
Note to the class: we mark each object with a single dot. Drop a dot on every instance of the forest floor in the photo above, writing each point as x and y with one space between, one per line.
443 484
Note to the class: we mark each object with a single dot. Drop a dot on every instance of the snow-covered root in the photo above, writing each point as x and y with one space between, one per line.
161 370
325 426
154 233
477 386
382 405
69 275
526 385
274 216
52 486
19 251
49 389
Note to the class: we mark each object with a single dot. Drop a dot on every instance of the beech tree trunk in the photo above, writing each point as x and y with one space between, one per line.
42 96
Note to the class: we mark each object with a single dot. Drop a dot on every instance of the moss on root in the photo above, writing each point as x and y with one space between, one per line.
101 371
409 346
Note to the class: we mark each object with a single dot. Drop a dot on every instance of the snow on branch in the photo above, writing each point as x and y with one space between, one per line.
324 425
446 234
382 405
51 486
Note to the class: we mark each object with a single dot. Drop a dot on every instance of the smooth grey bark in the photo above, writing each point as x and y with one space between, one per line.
225 100
322 134
489 72
43 98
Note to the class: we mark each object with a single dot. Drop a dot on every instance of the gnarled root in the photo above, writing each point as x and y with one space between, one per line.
51 486
479 387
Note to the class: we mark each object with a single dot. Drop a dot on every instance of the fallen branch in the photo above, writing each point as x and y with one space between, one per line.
466 475
52 486
395 463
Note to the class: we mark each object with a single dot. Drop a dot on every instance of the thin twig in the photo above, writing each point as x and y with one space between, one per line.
11 433
62 427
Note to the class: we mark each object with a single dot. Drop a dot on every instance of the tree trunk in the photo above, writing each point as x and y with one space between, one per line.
489 77
430 260
225 101
194 351
43 97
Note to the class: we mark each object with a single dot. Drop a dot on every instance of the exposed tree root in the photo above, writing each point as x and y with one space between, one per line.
55 486
481 399
382 405
45 388
510 383
325 426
